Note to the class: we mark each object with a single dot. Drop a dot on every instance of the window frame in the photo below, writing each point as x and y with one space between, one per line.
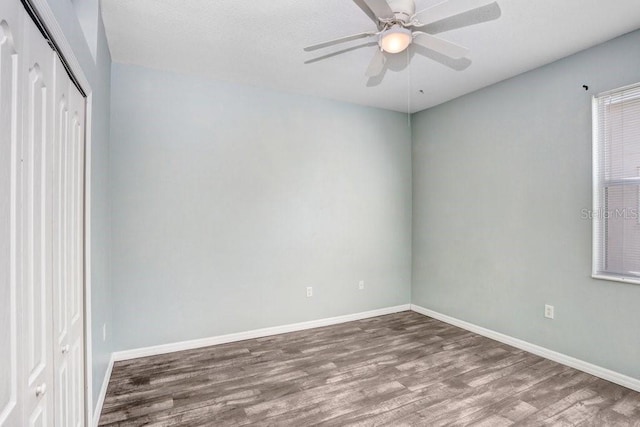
597 189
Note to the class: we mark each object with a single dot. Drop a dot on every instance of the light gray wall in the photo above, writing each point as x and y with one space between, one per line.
229 200
101 302
500 177
98 74
88 13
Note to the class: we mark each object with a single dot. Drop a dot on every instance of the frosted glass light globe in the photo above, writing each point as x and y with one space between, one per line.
395 39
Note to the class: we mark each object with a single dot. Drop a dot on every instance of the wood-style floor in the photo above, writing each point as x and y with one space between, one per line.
400 369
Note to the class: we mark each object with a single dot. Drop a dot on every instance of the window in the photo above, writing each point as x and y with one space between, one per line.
616 185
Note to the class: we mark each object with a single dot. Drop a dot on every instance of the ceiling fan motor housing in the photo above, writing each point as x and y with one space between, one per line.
403 9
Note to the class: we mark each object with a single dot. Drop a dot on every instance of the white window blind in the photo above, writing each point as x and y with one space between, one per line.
616 184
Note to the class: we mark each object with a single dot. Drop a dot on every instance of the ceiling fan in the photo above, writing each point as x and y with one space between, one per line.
399 26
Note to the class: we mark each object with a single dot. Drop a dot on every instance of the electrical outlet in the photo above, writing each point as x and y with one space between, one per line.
309 291
548 311
104 332
361 285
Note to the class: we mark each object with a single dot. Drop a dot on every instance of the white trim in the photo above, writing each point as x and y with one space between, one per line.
595 188
256 333
623 279
589 368
103 393
88 321
598 157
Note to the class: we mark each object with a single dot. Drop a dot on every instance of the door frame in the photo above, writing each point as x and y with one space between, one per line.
45 15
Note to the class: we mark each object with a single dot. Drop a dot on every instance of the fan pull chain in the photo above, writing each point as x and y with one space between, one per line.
408 89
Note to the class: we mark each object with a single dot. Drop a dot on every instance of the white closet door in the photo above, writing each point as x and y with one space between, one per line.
10 134
34 211
68 238
76 282
61 344
41 231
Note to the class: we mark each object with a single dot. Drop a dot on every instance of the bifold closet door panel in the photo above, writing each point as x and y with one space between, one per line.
76 265
41 231
34 213
68 237
11 50
61 304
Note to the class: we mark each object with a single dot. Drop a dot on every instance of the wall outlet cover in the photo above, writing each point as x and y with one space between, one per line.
548 311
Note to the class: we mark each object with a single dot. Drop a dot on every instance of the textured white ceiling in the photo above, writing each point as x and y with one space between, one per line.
260 43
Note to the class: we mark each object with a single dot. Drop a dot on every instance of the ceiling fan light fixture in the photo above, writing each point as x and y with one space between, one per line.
395 39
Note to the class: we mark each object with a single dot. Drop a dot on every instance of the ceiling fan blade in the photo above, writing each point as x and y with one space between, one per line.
340 40
379 8
479 15
349 49
439 45
377 80
362 5
376 66
448 8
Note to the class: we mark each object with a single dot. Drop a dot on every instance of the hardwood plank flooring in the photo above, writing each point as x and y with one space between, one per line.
403 369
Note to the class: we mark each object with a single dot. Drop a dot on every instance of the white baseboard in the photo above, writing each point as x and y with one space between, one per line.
103 392
598 371
256 333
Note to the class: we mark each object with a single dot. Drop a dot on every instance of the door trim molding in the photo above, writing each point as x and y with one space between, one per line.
103 392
